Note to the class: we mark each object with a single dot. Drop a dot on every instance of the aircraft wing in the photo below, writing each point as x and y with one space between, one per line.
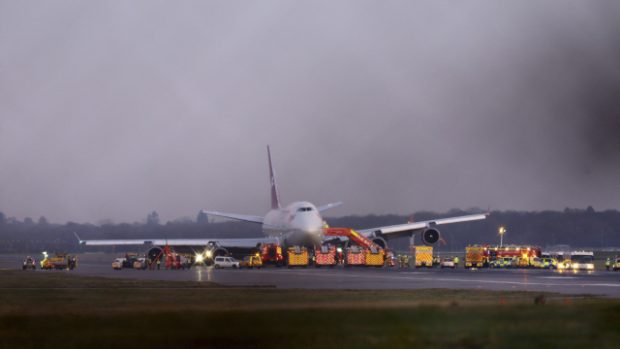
239 217
408 228
328 206
230 243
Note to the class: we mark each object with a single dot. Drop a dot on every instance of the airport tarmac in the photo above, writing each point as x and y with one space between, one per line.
599 282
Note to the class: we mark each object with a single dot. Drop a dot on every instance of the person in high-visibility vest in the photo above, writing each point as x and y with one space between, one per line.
607 263
456 262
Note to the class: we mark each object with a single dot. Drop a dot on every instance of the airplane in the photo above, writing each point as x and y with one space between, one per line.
299 223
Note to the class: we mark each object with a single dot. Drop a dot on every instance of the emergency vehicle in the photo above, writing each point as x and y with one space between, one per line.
582 260
59 261
423 256
355 256
520 256
503 262
375 257
325 256
475 257
272 254
298 256
252 261
616 265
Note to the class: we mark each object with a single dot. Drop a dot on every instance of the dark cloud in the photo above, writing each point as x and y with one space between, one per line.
112 110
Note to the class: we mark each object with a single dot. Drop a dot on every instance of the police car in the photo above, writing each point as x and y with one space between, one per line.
502 262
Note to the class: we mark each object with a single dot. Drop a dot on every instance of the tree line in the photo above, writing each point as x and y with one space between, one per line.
573 227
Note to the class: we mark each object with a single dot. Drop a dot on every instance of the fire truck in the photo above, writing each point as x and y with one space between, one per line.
375 257
272 254
423 256
521 255
363 251
325 256
59 261
475 257
355 256
298 256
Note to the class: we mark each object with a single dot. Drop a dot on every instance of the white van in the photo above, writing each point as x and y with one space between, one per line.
225 262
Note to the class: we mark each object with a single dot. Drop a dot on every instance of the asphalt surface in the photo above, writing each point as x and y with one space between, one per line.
599 282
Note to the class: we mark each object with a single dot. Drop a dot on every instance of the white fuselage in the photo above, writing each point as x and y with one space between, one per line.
299 223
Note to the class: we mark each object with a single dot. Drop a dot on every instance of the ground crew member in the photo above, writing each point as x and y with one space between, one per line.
456 262
607 263
158 263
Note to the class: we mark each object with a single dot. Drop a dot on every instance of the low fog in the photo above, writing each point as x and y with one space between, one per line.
110 110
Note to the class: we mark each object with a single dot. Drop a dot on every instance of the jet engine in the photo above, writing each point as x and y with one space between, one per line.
218 251
154 253
430 236
380 242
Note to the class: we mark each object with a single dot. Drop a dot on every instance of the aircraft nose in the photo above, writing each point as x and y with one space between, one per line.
310 224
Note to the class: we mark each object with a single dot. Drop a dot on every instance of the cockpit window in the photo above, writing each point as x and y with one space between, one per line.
304 209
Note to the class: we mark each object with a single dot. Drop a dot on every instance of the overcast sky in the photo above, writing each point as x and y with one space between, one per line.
111 109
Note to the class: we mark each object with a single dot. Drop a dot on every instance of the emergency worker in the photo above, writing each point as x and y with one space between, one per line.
607 263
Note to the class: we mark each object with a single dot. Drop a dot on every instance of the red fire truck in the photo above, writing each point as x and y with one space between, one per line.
325 256
521 255
272 254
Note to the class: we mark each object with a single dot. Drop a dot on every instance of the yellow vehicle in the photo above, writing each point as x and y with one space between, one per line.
375 257
423 256
549 263
503 262
474 257
59 261
562 260
298 256
616 265
523 262
253 261
537 262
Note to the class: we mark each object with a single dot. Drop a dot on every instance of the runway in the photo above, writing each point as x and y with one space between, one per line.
599 282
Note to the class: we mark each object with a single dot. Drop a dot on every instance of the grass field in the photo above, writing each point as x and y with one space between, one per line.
60 310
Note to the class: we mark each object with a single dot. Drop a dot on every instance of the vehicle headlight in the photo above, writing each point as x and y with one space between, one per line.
575 266
590 266
209 254
199 258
